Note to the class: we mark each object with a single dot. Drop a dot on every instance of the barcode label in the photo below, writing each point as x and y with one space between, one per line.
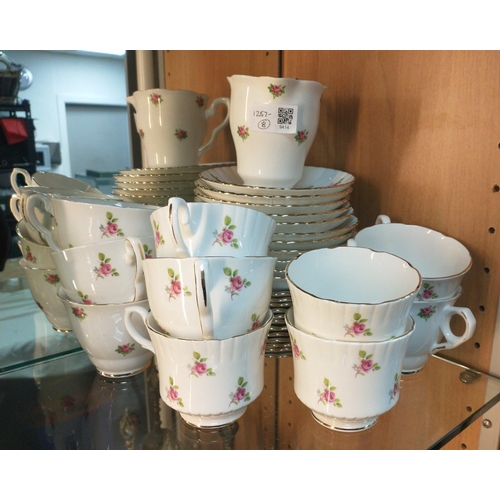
272 118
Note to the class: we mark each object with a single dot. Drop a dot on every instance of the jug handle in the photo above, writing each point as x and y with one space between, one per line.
13 178
132 330
135 251
32 219
208 114
452 340
203 298
177 209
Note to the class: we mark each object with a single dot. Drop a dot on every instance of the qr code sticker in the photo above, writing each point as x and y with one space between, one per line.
285 116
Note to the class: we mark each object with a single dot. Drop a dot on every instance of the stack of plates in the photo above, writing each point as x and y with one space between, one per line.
154 186
315 213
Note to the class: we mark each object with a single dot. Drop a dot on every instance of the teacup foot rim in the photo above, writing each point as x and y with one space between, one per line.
412 371
344 425
213 421
62 330
123 375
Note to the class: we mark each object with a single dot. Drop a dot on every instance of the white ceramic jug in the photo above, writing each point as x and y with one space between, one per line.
273 123
172 125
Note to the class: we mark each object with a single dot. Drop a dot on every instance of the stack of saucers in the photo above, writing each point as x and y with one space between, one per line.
315 213
155 186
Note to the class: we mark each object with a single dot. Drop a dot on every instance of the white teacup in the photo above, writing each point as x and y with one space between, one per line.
433 330
109 272
211 297
209 382
81 220
36 254
101 331
172 125
195 229
44 285
351 294
347 385
441 260
273 123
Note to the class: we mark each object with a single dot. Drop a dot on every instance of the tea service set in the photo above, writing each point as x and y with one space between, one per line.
200 267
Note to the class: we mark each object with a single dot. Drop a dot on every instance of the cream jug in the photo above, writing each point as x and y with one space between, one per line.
273 123
172 125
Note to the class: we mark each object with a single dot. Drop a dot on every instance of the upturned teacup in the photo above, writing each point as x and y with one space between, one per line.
211 297
109 272
196 229
209 382
82 220
101 331
351 293
347 385
172 125
441 260
433 330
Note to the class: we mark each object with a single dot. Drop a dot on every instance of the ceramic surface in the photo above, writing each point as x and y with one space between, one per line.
172 125
209 382
212 297
433 330
314 181
442 261
44 285
347 385
109 272
76 221
184 229
273 122
101 331
36 255
351 293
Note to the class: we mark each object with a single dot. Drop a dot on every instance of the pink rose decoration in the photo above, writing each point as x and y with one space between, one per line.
173 394
427 294
236 283
227 236
112 228
358 328
296 350
176 287
87 301
30 257
328 396
157 237
105 269
426 311
200 368
125 348
240 394
52 278
78 312
366 365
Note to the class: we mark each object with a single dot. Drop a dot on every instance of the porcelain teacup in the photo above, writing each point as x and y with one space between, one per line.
101 331
36 254
197 229
347 385
441 260
209 382
82 220
109 272
351 293
211 297
172 125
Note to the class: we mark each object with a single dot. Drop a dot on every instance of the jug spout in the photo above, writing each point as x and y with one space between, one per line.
131 100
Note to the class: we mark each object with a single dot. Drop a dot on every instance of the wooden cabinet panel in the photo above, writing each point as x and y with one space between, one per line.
420 130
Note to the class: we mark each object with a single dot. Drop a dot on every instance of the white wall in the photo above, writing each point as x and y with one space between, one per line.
60 78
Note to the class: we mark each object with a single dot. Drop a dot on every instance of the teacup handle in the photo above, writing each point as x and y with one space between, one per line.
382 219
32 219
208 114
203 298
15 207
178 213
452 340
135 252
132 330
13 178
